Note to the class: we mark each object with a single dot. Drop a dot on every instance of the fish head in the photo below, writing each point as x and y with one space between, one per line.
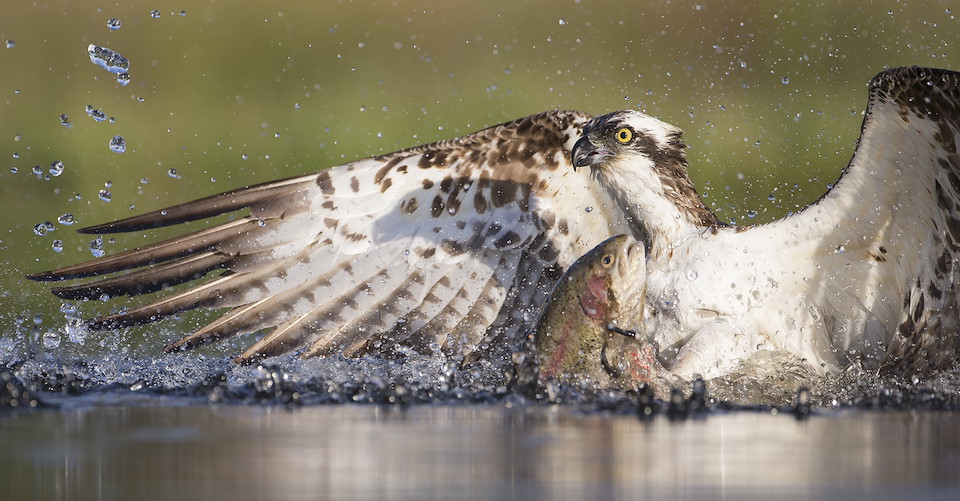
592 326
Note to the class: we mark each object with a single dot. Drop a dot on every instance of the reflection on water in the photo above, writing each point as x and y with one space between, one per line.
474 452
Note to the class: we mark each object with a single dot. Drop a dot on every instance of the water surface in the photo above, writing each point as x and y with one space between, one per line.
178 450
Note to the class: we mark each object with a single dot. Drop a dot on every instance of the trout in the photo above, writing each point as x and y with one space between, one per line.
591 328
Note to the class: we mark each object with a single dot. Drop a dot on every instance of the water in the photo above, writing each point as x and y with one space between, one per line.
108 59
120 426
173 450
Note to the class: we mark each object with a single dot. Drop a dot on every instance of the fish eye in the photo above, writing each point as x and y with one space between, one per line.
624 135
606 260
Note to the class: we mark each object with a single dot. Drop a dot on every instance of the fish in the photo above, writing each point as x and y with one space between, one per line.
591 329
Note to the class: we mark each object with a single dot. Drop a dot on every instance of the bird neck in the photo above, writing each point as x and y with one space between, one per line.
659 201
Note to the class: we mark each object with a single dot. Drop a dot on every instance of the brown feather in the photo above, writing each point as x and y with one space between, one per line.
203 208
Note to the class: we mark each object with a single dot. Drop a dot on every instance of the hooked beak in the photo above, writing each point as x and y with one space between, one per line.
586 153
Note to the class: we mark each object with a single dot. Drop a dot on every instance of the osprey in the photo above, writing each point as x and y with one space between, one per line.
869 271
449 246
455 245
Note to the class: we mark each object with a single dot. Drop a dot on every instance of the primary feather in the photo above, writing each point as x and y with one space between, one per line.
450 244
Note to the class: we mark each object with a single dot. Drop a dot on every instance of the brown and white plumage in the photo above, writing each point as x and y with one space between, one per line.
870 271
452 244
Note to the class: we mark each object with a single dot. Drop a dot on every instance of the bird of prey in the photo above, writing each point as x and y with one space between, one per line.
451 246
869 271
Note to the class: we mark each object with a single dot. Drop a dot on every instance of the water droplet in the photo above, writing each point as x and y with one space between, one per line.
95 113
123 79
108 59
64 120
118 144
105 195
155 14
785 80
38 171
51 340
173 173
588 209
43 228
751 214
56 168
113 23
563 21
67 219
692 274
11 44
96 247
14 170
57 246
840 249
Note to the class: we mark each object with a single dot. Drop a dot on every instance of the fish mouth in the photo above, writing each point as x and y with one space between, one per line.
585 153
634 257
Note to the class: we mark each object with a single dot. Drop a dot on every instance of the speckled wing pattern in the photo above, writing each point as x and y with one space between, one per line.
897 202
453 245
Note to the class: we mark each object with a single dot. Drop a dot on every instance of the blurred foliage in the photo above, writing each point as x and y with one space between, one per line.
770 95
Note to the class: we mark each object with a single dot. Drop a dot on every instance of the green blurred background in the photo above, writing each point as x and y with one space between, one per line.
770 95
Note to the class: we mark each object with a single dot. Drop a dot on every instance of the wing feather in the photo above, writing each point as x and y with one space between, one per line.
889 231
429 246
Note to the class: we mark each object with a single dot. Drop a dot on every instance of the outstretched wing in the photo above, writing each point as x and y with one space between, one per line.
893 218
448 244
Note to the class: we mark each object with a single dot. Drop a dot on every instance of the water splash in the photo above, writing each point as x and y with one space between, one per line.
108 59
94 113
43 228
56 168
118 144
96 247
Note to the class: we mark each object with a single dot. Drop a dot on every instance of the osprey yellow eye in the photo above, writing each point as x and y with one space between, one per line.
624 135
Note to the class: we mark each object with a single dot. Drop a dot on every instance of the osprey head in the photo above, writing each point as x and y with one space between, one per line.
622 134
639 161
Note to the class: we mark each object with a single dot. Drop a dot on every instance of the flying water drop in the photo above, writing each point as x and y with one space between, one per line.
95 113
96 247
118 144
56 168
43 228
108 59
